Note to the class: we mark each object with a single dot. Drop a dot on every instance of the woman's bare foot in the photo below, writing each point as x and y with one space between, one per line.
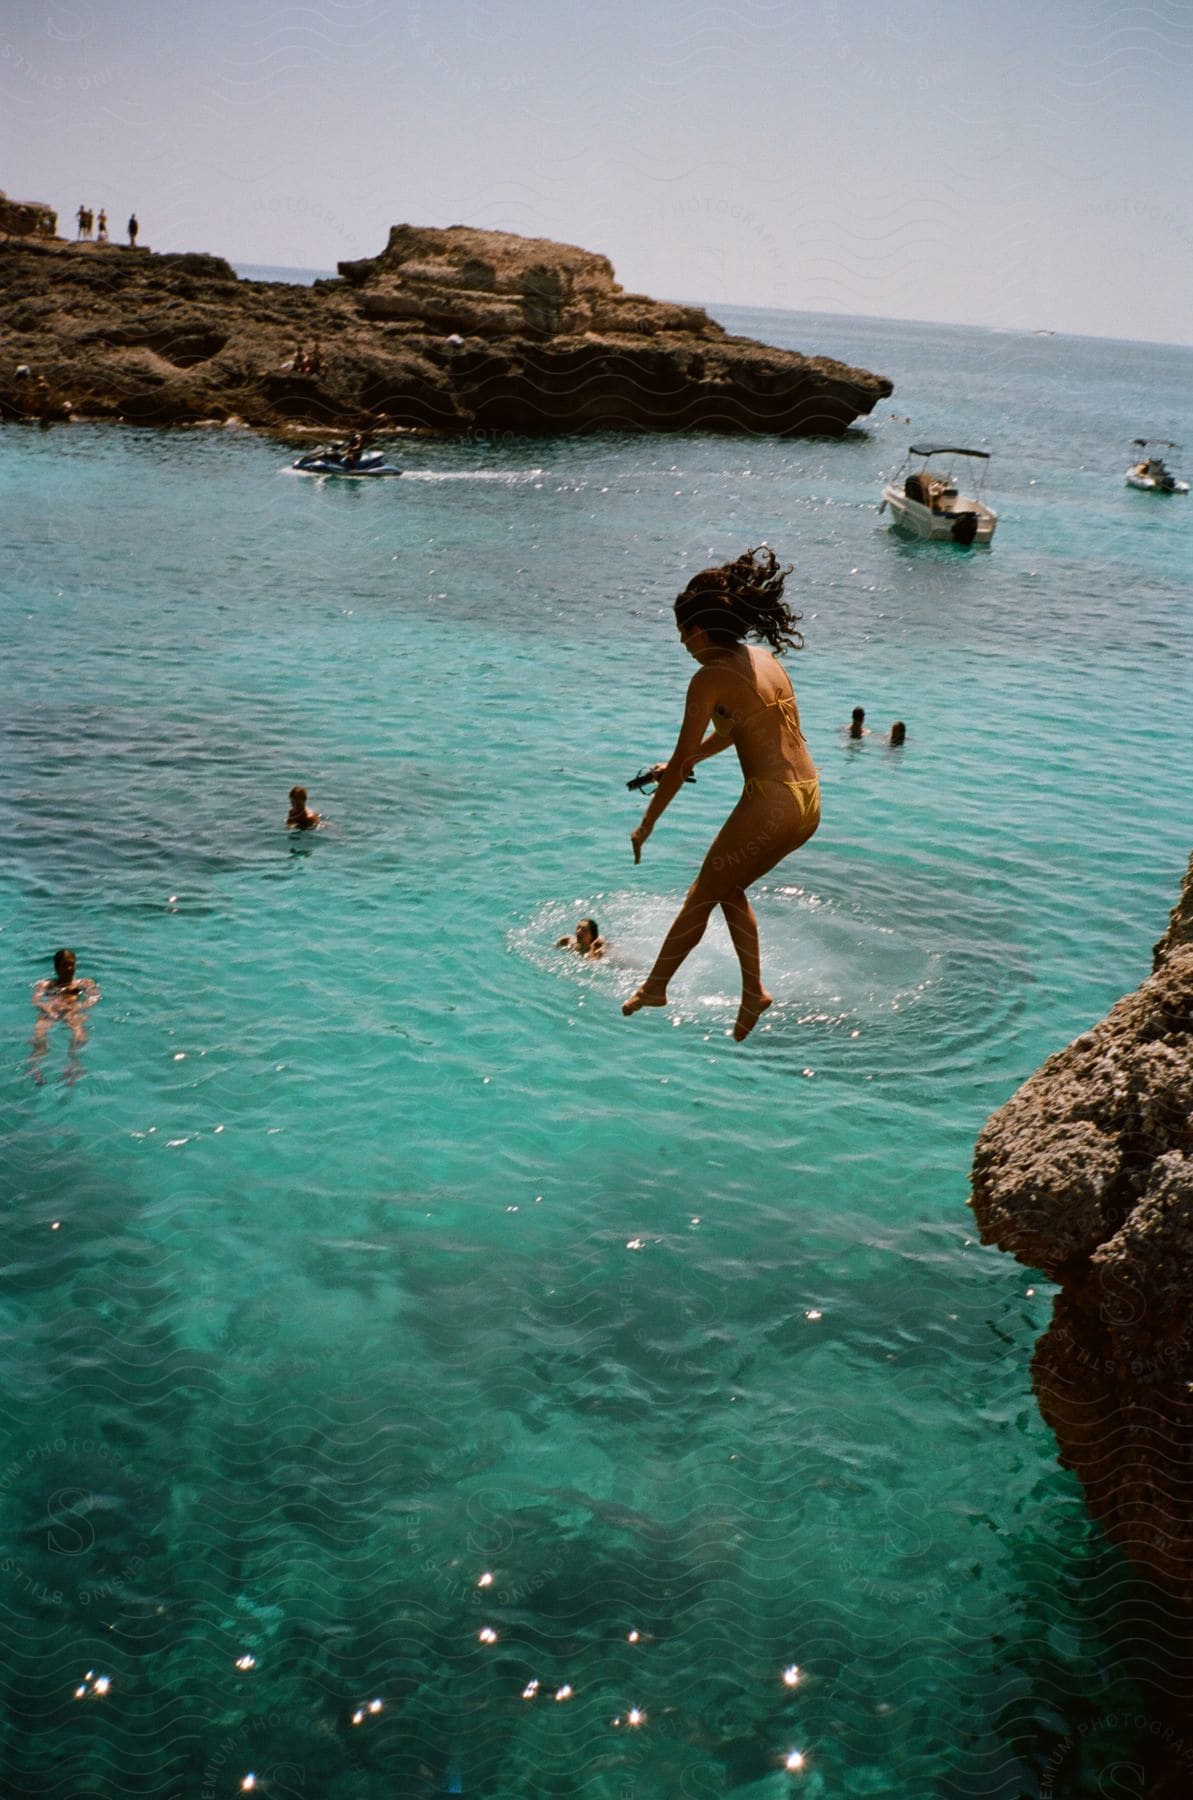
748 1013
643 997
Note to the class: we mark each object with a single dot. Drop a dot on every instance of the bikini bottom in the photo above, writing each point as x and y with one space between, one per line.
806 794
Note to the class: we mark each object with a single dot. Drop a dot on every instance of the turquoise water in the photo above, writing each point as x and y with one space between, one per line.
272 272
365 1250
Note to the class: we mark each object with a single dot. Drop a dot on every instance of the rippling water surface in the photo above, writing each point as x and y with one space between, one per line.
386 1320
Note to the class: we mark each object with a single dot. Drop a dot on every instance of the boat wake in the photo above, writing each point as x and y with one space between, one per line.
505 477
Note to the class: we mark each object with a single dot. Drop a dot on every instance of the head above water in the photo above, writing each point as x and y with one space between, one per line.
64 965
298 796
740 599
587 933
898 732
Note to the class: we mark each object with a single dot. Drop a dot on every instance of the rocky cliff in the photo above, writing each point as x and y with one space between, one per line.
454 330
27 218
1087 1174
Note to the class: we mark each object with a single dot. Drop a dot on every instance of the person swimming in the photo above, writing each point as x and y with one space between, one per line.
62 999
587 941
747 699
898 734
857 727
300 817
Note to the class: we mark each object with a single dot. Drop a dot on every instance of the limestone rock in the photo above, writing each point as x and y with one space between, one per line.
450 331
27 218
1087 1173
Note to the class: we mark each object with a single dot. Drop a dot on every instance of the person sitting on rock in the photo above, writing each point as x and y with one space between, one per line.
314 359
45 403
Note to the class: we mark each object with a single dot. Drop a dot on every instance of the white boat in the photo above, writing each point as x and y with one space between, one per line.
927 501
1151 473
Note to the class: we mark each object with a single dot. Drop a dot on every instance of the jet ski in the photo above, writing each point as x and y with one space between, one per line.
335 459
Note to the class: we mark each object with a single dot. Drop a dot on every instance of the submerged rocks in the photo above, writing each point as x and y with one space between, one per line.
453 331
1087 1173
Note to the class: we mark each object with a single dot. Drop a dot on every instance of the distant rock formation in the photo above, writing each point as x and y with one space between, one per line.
1087 1174
452 331
27 218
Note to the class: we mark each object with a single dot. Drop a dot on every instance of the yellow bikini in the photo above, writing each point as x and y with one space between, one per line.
806 793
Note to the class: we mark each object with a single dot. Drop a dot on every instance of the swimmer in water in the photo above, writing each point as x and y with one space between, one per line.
300 817
587 942
62 999
898 734
747 699
857 727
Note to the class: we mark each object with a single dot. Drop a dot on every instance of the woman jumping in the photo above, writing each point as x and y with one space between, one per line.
747 698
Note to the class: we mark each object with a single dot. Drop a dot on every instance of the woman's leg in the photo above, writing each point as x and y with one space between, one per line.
687 929
743 930
766 825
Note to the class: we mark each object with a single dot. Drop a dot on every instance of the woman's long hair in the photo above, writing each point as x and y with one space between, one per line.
741 599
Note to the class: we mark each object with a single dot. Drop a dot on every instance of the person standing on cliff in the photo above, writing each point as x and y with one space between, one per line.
133 229
101 230
84 218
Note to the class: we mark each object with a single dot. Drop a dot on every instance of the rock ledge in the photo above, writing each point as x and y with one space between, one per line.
1087 1174
447 330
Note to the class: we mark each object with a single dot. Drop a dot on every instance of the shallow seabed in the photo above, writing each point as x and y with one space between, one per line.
386 1320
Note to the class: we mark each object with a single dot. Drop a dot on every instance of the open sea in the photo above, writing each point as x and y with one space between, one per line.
419 1379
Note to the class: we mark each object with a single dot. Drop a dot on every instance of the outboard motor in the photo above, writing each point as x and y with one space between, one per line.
965 528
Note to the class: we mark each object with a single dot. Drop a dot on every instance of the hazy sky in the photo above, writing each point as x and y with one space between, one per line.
1009 164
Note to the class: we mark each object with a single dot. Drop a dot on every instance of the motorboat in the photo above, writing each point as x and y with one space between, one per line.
1151 472
926 500
336 459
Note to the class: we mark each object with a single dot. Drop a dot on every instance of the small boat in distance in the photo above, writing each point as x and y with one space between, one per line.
927 502
1151 473
336 459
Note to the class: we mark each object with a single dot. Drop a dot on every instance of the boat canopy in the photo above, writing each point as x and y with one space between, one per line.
948 450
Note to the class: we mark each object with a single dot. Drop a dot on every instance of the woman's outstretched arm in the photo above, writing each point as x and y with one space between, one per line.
697 713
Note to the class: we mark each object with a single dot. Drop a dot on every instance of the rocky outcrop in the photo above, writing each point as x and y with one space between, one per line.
27 218
453 331
1087 1174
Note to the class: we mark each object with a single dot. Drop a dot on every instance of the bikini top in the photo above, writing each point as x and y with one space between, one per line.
785 702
